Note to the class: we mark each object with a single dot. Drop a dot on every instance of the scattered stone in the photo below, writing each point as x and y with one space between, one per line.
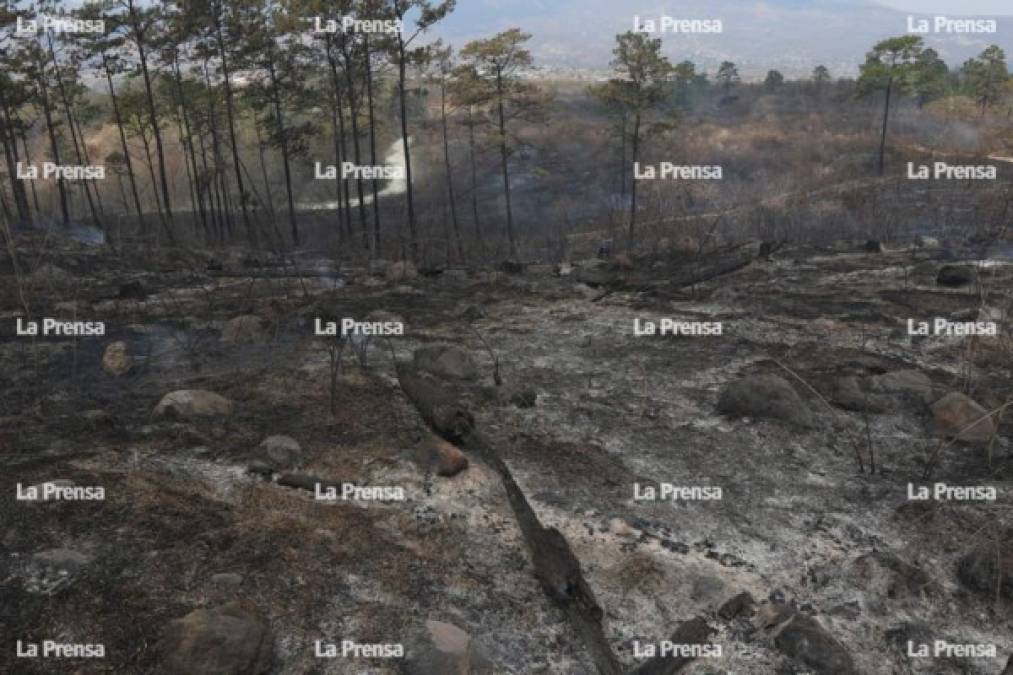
280 452
988 564
872 246
804 639
64 560
379 267
955 412
621 528
957 275
116 360
400 271
245 328
564 269
767 396
596 273
524 398
446 361
132 290
926 242
910 384
471 312
447 650
738 605
706 588
512 267
886 575
850 395
193 403
260 468
229 640
49 274
227 579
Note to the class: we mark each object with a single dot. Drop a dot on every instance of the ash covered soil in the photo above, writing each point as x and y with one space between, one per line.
814 412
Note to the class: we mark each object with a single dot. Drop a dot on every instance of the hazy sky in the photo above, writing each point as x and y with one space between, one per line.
962 8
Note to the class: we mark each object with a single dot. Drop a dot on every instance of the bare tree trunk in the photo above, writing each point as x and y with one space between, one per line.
283 138
123 143
503 158
450 175
372 144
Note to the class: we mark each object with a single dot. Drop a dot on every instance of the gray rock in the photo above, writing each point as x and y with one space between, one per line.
445 649
957 414
229 640
193 403
246 328
957 275
116 360
446 361
804 639
767 396
62 559
987 565
280 452
227 579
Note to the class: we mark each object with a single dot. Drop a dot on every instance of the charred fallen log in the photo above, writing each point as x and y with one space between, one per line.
556 567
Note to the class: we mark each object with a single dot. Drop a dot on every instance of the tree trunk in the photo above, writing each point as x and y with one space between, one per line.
633 185
142 56
503 158
474 179
350 85
124 148
402 67
372 143
886 117
450 175
283 138
230 115
53 145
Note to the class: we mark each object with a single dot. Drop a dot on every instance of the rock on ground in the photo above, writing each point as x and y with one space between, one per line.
116 360
193 403
280 452
446 361
401 271
245 328
956 275
978 568
765 396
445 649
804 639
229 640
955 412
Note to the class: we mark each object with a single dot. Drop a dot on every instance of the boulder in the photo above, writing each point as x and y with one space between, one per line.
229 640
804 639
909 384
116 360
988 564
955 413
886 575
49 274
445 649
956 275
193 403
737 605
245 328
767 396
446 361
280 452
596 273
132 290
400 271
63 560
524 398
872 246
926 242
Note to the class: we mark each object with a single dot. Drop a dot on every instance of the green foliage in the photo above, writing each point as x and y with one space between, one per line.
985 77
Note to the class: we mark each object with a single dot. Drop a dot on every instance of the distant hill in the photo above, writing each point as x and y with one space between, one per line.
790 35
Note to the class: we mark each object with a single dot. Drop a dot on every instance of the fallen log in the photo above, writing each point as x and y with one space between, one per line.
556 567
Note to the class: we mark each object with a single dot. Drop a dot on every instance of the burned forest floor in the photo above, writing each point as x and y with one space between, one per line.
796 457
